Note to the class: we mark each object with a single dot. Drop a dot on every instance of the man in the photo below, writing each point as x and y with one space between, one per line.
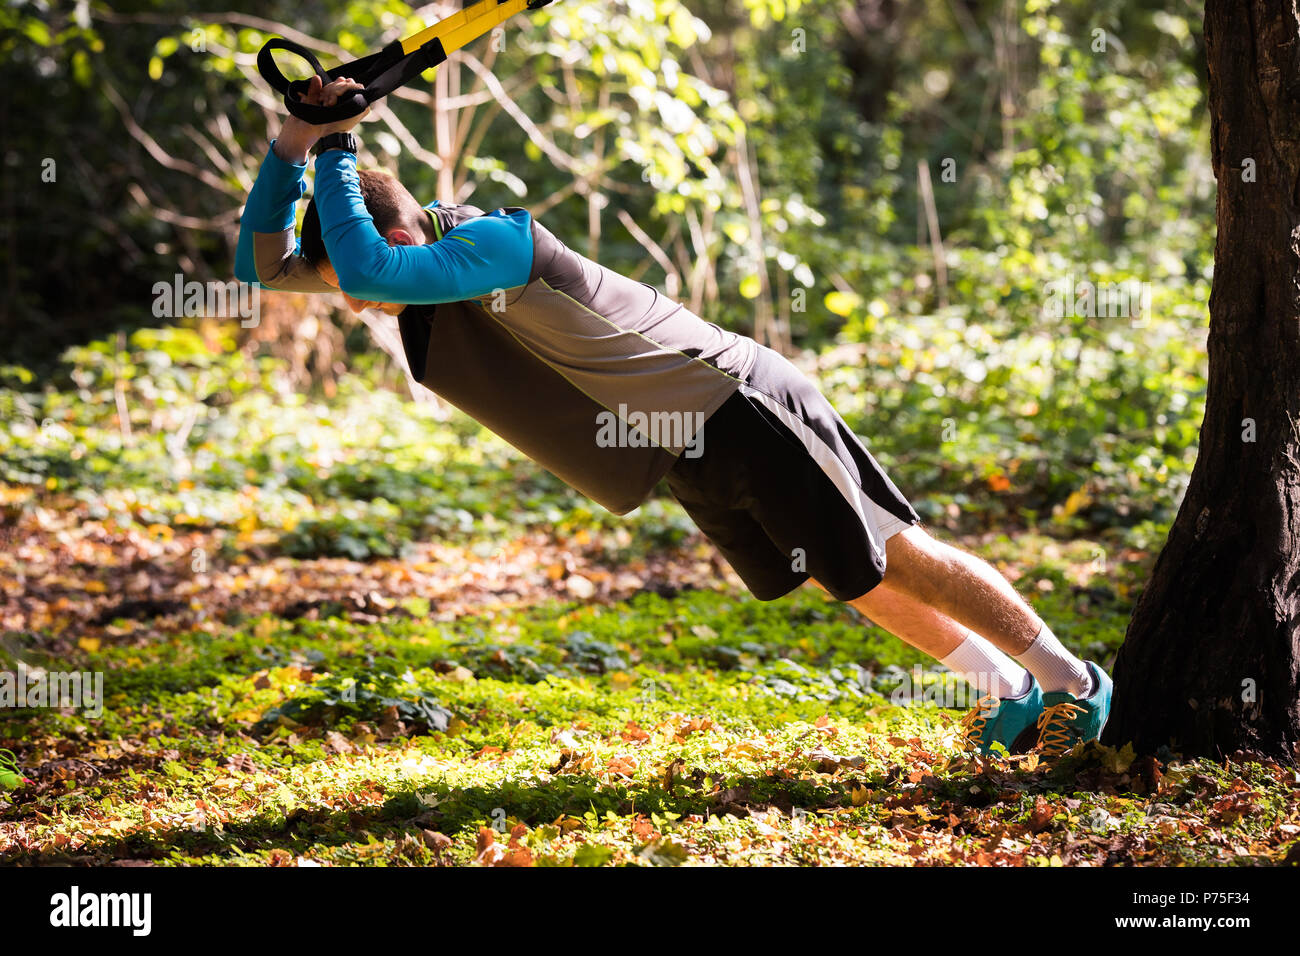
544 347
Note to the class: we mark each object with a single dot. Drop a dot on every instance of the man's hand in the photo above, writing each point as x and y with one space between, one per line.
298 136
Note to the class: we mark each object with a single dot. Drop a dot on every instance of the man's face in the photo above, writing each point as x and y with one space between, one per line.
356 305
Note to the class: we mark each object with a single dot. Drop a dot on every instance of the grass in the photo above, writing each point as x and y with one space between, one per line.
253 723
326 642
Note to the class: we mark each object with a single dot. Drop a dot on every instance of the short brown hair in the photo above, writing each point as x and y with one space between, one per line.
386 200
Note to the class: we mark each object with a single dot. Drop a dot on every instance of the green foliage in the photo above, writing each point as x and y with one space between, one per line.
984 418
369 530
11 777
995 408
982 403
1066 157
339 701
352 741
214 438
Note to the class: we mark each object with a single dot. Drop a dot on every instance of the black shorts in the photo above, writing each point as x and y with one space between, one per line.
786 491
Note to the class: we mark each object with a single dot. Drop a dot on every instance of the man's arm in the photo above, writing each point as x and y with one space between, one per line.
476 258
268 243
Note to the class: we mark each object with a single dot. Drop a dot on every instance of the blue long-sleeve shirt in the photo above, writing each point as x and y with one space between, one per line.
477 257
271 210
490 252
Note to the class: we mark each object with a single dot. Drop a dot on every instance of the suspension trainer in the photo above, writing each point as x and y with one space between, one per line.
395 65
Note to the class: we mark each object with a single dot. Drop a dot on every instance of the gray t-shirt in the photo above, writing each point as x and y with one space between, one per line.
599 378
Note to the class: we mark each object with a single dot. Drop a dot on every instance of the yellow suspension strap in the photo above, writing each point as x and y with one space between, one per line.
395 65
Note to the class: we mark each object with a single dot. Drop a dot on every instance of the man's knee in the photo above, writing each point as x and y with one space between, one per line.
913 565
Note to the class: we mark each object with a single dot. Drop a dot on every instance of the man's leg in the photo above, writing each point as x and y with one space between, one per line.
932 632
961 586
973 593
785 488
923 627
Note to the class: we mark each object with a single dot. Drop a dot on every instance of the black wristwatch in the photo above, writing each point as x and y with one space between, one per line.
336 141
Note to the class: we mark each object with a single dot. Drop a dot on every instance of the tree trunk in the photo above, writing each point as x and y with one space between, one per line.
1211 660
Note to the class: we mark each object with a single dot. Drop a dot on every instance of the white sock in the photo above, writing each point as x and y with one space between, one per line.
987 669
1055 668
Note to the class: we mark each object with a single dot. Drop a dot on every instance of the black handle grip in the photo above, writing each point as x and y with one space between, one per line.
346 107
270 70
379 74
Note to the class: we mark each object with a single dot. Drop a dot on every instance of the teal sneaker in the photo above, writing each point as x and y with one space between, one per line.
1066 720
1010 721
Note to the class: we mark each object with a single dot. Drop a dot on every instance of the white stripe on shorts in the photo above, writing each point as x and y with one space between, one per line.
880 524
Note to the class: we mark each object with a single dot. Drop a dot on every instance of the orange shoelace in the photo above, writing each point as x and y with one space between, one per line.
974 720
1054 736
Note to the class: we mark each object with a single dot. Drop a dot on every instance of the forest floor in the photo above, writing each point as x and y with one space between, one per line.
548 697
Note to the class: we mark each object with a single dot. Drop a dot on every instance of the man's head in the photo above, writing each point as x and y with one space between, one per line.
398 216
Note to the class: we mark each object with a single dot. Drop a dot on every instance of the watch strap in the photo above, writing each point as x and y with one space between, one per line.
344 141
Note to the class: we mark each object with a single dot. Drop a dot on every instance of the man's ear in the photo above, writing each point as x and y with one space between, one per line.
400 237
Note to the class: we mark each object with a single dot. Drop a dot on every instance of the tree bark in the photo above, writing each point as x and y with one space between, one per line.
1211 661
